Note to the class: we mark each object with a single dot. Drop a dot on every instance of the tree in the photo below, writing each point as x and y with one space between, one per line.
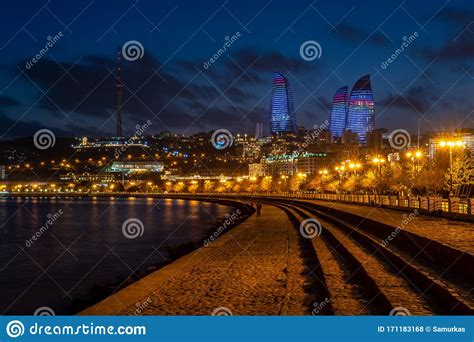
178 187
266 183
295 182
432 176
208 186
193 188
462 172
351 184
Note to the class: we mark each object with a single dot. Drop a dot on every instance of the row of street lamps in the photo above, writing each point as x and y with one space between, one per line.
415 156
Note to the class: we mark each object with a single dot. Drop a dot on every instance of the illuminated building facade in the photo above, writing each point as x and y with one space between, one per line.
465 135
136 166
361 114
282 111
338 115
290 164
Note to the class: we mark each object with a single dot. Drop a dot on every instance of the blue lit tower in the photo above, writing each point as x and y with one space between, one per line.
361 115
282 111
338 115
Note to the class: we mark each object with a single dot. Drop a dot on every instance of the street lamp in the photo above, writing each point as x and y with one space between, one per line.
355 167
285 178
378 163
451 144
414 157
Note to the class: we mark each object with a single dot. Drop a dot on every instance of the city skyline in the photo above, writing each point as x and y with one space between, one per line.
236 158
71 88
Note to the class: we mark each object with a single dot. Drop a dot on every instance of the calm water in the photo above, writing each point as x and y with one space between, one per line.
85 245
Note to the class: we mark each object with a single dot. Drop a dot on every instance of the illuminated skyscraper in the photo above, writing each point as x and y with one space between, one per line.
361 115
338 115
259 130
282 111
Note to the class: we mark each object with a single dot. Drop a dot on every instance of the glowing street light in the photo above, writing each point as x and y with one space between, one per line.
378 163
378 160
414 156
450 144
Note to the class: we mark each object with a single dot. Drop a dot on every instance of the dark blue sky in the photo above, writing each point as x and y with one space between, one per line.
70 90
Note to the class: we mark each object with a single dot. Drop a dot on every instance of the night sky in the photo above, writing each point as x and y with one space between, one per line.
71 89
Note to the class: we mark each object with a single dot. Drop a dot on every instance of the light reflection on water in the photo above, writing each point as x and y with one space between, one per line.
86 246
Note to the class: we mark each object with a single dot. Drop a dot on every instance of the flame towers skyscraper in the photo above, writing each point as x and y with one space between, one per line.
338 115
282 108
361 114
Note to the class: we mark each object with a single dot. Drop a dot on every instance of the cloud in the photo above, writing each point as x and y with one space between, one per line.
417 99
6 101
12 128
458 49
350 33
89 92
457 15
459 44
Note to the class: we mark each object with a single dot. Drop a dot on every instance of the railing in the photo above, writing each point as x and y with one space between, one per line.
430 204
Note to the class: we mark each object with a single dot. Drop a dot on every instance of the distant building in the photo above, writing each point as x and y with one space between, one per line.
258 130
136 166
248 149
375 139
393 157
3 174
308 163
361 114
256 170
324 138
114 142
349 137
282 108
87 177
464 135
338 114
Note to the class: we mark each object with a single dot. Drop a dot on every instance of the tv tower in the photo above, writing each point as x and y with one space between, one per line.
119 87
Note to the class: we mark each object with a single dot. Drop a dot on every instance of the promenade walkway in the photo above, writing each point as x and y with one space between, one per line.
254 269
456 234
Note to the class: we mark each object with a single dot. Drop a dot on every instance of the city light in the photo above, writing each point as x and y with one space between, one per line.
450 144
